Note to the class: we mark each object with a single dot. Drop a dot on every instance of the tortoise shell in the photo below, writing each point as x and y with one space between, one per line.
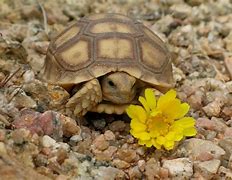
104 43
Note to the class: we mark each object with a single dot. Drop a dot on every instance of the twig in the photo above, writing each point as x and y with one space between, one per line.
45 21
3 83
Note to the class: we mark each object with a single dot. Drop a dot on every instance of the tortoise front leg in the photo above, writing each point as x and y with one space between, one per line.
85 98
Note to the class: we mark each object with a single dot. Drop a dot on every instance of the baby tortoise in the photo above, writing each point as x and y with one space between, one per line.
107 60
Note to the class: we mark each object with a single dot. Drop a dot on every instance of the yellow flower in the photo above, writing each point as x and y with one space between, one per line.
160 123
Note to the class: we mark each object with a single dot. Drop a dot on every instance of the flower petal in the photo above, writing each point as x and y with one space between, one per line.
165 99
137 126
155 144
190 131
169 145
136 112
185 122
150 97
143 101
144 136
130 110
147 143
160 140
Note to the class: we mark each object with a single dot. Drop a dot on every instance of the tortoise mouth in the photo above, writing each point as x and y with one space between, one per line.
119 100
110 108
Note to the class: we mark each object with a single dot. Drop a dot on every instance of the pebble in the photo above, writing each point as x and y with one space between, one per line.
20 136
29 76
196 148
49 123
179 168
135 173
226 144
21 100
163 173
213 108
48 142
100 143
220 124
120 164
109 135
69 126
152 168
205 123
99 124
76 138
228 132
228 62
2 134
127 155
208 169
225 173
181 11
107 173
106 155
230 163
141 164
117 126
3 148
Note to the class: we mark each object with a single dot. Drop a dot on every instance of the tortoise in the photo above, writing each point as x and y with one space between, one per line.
105 61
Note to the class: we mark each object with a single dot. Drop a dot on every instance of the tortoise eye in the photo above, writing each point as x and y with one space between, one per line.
111 83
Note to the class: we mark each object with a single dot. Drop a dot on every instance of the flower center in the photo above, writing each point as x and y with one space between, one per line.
157 125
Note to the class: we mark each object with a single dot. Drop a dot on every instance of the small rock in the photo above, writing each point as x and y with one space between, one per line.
28 76
2 148
228 41
228 132
2 134
20 136
225 173
228 62
100 143
48 142
230 163
163 173
206 156
99 124
152 169
213 108
226 144
163 25
135 173
69 126
120 164
141 165
181 11
196 99
208 169
107 173
194 2
140 150
109 135
106 155
198 147
21 100
180 168
117 126
220 124
48 123
227 111
127 155
76 138
205 123
40 160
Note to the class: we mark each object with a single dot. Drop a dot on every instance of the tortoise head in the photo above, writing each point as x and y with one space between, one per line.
119 87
